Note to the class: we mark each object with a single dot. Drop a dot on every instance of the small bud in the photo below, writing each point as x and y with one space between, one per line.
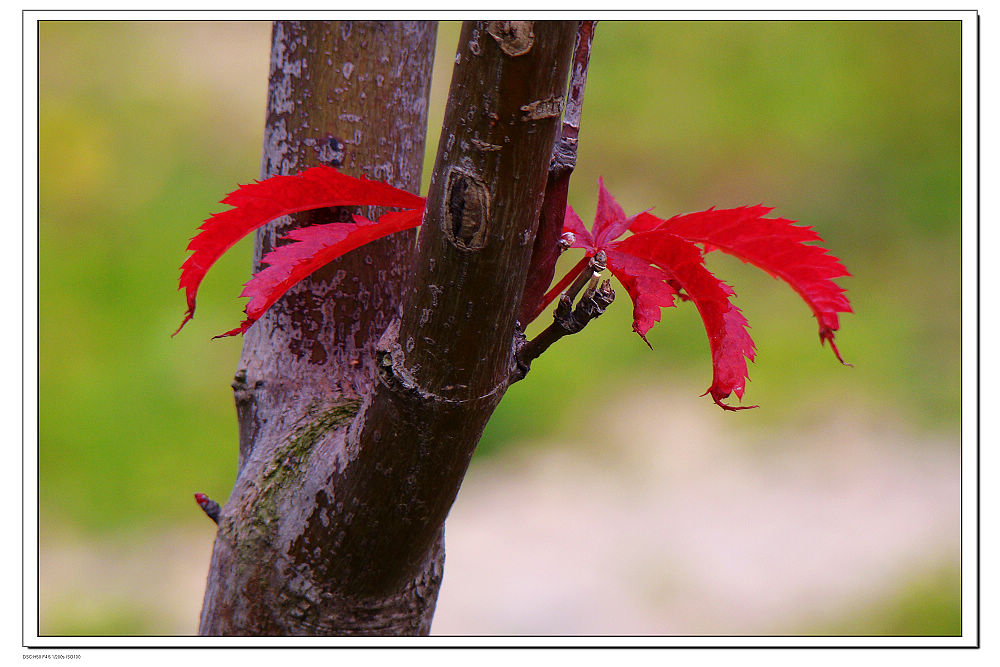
208 506
599 262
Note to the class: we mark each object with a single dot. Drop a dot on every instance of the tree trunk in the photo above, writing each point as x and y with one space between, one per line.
362 394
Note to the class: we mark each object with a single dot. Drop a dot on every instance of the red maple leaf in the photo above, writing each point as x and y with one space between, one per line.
775 245
315 247
660 261
258 203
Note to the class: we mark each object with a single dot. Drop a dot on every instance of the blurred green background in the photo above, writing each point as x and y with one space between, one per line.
851 127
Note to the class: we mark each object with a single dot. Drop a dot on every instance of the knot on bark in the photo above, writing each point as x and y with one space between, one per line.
514 37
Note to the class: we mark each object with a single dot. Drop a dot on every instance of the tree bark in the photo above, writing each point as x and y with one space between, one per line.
352 446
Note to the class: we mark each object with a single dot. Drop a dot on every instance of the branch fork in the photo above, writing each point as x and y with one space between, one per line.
567 320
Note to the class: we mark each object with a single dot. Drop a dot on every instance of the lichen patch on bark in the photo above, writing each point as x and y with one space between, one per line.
288 460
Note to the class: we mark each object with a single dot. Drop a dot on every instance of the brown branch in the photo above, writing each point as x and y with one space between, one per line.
445 363
561 166
577 84
566 320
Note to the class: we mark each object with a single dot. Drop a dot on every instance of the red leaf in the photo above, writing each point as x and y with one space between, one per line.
775 245
575 225
314 247
258 203
610 221
649 287
639 279
725 325
660 262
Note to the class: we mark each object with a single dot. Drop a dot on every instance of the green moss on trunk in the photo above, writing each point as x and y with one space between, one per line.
284 470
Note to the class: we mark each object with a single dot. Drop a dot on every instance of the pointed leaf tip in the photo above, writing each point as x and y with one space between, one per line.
777 245
609 221
826 336
187 316
643 337
729 408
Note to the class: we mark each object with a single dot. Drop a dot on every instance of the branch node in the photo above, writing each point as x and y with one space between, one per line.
565 321
563 160
599 262
242 390
566 241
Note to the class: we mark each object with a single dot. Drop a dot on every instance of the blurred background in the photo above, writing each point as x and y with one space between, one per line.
606 496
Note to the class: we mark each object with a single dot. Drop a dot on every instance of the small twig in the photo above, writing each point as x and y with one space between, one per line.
208 506
575 273
567 320
597 264
557 289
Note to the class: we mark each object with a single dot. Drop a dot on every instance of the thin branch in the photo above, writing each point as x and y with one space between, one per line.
567 320
559 287
597 264
577 84
561 165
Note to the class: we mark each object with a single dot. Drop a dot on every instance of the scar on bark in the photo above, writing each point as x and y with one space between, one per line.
514 37
467 211
548 108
